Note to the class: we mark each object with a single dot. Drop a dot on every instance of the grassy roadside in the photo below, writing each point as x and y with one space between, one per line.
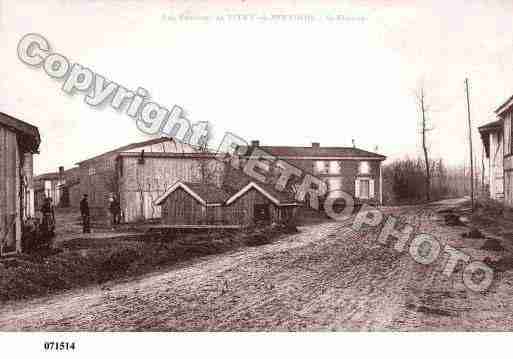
88 262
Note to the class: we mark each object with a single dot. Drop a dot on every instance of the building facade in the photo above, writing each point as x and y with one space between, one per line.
47 186
18 142
144 177
139 173
492 139
59 186
197 204
349 169
505 114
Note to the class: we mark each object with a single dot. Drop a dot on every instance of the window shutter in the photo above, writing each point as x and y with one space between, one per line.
357 188
371 188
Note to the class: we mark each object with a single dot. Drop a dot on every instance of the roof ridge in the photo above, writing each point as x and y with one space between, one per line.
131 146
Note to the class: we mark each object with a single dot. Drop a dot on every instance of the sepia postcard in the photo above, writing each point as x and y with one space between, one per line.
177 176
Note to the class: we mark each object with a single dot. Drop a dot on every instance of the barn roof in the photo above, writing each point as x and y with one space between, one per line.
130 147
206 194
204 155
29 138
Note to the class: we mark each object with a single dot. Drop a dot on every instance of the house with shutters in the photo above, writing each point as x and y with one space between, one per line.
349 169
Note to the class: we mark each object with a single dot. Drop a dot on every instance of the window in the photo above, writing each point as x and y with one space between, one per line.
321 167
334 168
364 168
92 171
334 183
364 188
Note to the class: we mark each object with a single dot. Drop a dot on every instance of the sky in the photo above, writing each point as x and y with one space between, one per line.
286 81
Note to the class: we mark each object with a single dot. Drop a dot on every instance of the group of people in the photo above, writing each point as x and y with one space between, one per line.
114 209
48 214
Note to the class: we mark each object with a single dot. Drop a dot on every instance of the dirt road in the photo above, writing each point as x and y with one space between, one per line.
328 277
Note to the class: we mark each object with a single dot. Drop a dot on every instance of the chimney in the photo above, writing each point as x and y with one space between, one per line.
255 143
354 143
316 145
140 160
61 173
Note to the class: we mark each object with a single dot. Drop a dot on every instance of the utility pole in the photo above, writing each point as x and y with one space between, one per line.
470 144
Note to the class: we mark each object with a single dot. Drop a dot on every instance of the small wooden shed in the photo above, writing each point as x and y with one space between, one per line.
186 203
204 204
259 203
18 142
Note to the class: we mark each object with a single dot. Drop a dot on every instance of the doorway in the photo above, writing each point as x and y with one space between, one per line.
262 213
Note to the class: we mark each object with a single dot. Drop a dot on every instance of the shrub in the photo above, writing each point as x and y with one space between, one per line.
404 181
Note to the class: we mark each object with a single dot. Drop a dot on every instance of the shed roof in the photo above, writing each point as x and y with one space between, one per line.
30 138
278 198
206 194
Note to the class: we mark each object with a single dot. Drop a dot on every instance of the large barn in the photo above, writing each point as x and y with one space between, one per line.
18 142
139 173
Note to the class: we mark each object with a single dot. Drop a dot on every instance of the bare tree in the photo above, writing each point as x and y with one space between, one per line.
210 170
424 110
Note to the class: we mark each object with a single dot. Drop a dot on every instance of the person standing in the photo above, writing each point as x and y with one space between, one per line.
48 220
112 210
115 210
84 212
